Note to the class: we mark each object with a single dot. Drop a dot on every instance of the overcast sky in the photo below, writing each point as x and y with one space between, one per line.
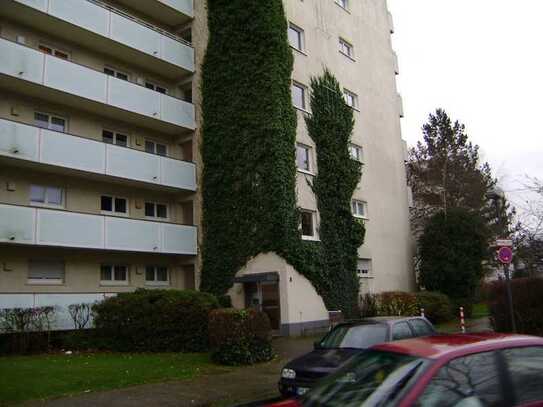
482 61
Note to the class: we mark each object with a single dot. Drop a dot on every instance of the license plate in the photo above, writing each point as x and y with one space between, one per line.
301 391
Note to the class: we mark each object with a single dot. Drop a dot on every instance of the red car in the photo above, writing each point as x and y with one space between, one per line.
469 370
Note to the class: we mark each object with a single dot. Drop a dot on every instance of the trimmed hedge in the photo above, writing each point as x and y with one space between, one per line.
154 321
527 303
437 306
395 303
240 337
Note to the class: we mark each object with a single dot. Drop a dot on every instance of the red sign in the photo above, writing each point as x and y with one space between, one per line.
505 255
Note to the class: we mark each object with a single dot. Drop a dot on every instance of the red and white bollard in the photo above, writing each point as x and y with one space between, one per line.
462 322
422 313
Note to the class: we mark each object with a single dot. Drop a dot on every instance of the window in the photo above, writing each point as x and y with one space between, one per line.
526 369
363 268
45 272
420 327
346 48
356 152
156 275
401 330
116 73
303 157
296 37
157 88
112 137
113 204
51 122
471 378
44 195
156 210
54 51
298 95
350 98
343 3
308 224
359 209
156 148
113 274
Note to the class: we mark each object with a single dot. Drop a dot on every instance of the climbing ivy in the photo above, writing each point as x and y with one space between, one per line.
248 151
330 126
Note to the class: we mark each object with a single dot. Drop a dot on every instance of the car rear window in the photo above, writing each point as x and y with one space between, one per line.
358 336
420 327
526 369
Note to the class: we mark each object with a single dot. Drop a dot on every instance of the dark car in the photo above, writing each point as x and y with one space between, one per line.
341 344
458 370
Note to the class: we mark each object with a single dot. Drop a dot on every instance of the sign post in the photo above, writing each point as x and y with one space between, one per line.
505 256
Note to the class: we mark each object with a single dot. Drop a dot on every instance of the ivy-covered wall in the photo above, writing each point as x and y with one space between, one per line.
248 152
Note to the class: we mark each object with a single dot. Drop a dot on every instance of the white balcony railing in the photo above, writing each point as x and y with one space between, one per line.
101 19
49 227
28 64
31 143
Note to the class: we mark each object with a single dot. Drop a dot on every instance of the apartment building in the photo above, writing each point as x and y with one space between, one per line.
99 150
97 172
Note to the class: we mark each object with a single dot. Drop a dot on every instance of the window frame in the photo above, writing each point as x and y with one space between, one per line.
116 73
154 86
369 274
313 224
46 203
398 324
300 37
50 117
46 281
155 282
155 144
113 205
360 155
155 209
364 205
115 135
113 281
348 93
309 151
344 4
303 88
346 48
54 51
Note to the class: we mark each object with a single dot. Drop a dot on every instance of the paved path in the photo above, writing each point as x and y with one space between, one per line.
238 386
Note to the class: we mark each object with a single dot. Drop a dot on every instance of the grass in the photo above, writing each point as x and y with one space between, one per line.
46 376
479 311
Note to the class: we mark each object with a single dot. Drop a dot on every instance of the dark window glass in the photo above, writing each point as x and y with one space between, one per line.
359 337
302 157
160 90
526 368
307 224
108 71
122 76
45 49
161 149
149 86
41 120
107 136
162 274
149 273
122 140
150 147
420 327
61 54
401 330
107 203
149 209
105 273
57 124
161 211
120 273
120 205
473 377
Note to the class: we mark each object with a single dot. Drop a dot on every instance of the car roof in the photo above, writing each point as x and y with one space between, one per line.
379 320
438 346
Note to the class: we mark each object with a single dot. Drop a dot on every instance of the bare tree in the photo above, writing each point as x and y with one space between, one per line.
80 314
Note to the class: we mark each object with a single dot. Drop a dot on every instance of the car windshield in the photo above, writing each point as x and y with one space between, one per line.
373 378
357 336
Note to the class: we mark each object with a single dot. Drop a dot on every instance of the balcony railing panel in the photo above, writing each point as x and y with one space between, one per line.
21 62
50 227
126 95
184 6
22 141
135 35
82 14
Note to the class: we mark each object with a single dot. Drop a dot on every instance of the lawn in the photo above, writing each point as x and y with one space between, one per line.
45 376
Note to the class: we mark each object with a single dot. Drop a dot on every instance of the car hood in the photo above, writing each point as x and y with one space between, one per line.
322 359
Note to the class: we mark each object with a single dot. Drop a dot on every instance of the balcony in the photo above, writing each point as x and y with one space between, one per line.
171 12
23 69
47 227
42 146
107 30
400 105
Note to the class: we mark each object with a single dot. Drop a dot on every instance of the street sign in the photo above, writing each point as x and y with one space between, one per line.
505 255
504 243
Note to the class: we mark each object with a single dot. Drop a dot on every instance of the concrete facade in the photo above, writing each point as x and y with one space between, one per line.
131 69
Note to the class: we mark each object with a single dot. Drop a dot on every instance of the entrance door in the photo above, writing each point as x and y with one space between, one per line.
270 302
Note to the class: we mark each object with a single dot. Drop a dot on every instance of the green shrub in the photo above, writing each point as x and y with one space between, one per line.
437 306
527 303
395 303
240 337
155 321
